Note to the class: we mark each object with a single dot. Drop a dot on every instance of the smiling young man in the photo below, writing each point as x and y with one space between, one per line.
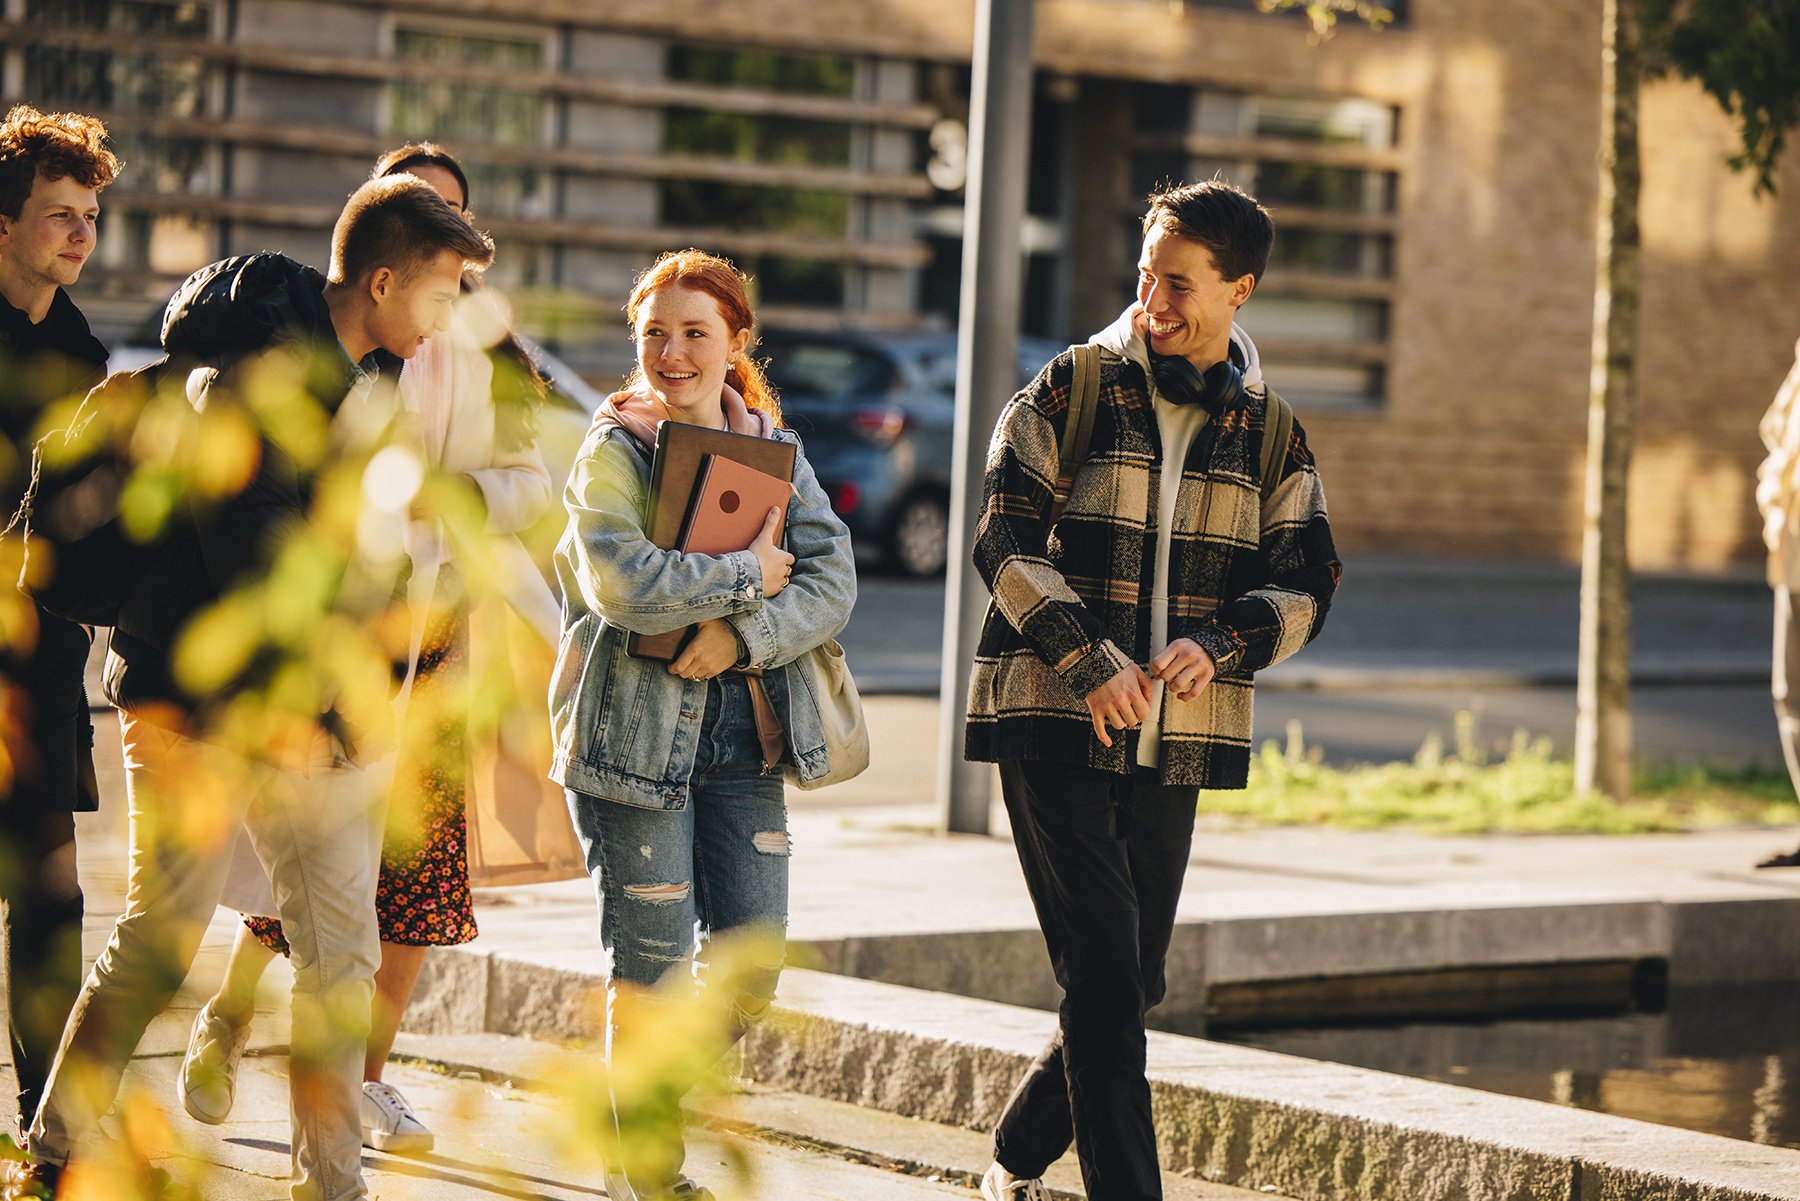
52 170
398 255
1113 678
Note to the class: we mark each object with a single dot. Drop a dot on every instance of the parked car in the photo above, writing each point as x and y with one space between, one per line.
876 411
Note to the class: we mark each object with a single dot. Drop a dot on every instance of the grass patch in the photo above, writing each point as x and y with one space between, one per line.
1462 790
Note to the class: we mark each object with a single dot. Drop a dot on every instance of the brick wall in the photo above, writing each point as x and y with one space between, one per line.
1480 447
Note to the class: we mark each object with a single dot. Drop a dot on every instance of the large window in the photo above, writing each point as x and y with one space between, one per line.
120 86
1397 8
790 141
767 70
463 114
1325 169
765 139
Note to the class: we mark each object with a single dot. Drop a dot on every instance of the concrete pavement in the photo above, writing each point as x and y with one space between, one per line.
909 925
936 984
494 1098
499 1139
926 987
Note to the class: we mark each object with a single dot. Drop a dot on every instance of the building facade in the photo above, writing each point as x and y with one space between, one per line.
1434 184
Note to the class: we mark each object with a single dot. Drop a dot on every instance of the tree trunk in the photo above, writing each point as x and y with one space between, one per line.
1603 691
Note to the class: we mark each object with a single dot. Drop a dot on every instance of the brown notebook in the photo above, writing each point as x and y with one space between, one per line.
681 451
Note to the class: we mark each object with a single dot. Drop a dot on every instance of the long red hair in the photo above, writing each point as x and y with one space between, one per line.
720 279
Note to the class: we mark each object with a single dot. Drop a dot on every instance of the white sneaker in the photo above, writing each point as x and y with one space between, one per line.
617 1186
389 1123
998 1184
209 1070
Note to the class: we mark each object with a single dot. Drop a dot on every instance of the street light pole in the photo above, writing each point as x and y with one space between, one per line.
986 364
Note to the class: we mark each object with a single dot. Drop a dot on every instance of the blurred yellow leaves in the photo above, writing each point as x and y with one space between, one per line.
122 1170
625 1112
18 616
311 645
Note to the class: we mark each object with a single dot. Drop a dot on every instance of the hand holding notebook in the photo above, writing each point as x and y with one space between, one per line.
731 502
684 454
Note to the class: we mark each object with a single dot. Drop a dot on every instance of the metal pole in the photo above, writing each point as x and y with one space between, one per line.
986 364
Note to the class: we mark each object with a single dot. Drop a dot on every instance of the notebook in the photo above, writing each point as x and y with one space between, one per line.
681 451
731 502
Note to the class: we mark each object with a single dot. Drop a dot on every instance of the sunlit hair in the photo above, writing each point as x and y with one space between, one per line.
1234 228
519 387
720 279
424 154
399 221
54 146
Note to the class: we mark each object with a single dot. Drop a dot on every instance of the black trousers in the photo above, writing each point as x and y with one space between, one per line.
43 943
54 777
1103 857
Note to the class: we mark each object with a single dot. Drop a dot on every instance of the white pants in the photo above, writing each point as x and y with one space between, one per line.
309 820
1786 681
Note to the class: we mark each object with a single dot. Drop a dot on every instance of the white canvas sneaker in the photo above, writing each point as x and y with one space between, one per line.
389 1123
998 1184
209 1070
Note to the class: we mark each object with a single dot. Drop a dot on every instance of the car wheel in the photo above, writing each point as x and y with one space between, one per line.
919 540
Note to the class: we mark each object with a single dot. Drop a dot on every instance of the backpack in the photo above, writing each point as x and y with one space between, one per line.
1078 431
71 509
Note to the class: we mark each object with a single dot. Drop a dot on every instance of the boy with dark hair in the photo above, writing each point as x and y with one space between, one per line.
52 169
398 256
1113 677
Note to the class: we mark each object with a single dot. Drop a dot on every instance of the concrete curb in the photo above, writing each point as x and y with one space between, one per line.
1236 1115
1724 942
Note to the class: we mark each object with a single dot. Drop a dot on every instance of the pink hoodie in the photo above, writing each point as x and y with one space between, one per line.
637 414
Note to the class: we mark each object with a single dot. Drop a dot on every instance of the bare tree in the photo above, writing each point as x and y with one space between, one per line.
1603 681
1746 54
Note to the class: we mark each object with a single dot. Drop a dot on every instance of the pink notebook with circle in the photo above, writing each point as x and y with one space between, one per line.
730 503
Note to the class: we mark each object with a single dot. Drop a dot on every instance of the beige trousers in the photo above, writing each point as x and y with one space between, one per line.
1786 680
309 821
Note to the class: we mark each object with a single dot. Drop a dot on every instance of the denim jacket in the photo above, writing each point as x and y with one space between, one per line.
626 729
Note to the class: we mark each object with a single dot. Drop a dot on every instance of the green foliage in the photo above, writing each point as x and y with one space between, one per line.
1462 790
763 70
624 1111
1323 15
1746 54
318 641
787 141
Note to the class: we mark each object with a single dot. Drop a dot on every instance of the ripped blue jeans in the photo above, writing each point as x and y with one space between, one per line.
720 863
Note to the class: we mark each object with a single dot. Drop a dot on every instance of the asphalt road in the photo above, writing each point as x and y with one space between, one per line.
1412 643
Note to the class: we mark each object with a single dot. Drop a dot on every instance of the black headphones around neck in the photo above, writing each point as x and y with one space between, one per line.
1180 382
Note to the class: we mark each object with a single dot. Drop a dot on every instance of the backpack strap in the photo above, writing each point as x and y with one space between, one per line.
1278 431
1078 430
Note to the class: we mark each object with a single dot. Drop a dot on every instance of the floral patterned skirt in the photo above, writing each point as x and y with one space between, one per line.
422 893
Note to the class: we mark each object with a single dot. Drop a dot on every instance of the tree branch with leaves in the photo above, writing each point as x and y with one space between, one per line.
1323 15
1746 54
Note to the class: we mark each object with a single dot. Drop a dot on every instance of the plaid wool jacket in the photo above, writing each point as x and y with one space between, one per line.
1249 580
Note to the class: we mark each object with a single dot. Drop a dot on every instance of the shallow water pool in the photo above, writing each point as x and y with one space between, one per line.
1722 1061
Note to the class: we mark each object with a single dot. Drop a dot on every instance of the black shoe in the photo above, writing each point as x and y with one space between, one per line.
1786 859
